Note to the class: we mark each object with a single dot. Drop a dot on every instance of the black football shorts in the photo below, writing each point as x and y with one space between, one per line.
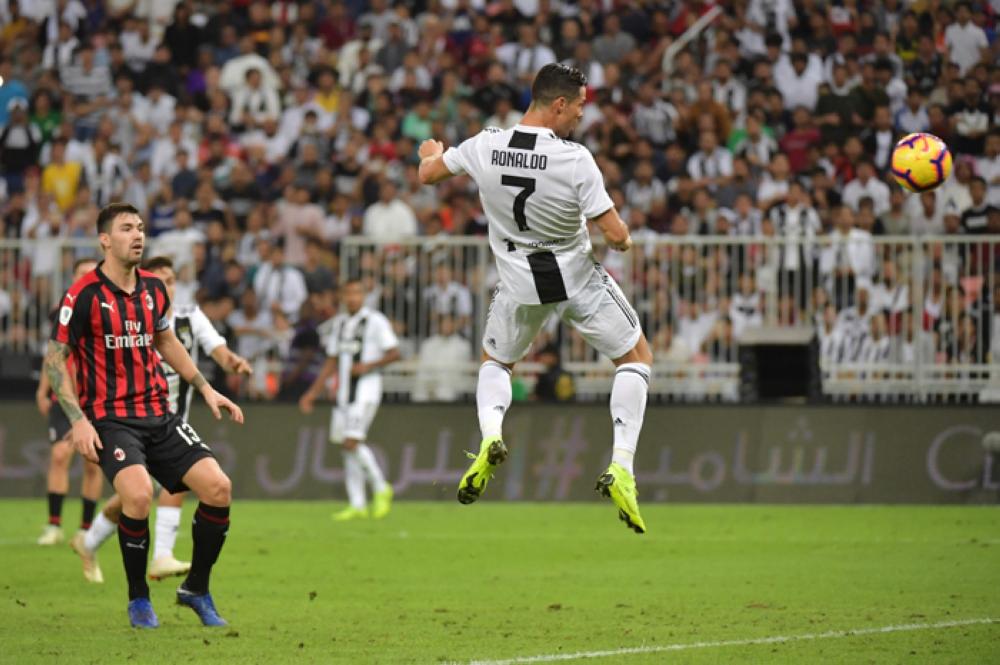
166 445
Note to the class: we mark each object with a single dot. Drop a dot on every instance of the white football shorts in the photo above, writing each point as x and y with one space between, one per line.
352 421
599 311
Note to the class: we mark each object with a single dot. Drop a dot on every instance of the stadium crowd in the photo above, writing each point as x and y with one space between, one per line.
255 136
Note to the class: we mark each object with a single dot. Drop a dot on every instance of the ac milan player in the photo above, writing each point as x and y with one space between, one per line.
113 321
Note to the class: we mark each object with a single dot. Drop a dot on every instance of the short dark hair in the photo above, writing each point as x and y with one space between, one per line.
158 263
112 210
554 81
80 262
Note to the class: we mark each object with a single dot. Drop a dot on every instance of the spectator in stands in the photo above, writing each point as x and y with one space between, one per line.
315 270
867 184
712 165
253 102
774 187
970 116
757 145
445 296
390 217
880 139
798 81
612 45
654 118
280 286
20 142
439 375
913 116
554 384
298 220
966 41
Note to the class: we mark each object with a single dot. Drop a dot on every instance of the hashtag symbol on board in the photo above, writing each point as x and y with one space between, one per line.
560 466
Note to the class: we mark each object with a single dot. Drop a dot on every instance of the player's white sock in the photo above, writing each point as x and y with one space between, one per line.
168 520
493 395
354 479
370 465
99 531
628 406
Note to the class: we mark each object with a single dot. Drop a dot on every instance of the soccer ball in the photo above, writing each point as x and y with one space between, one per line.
920 162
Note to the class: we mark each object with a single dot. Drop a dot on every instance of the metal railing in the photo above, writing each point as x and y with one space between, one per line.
898 319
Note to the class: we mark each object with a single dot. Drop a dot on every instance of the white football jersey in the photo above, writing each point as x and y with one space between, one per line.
364 336
194 330
538 191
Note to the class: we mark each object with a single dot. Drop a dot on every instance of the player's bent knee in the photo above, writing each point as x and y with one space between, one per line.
137 503
135 489
219 491
61 454
91 470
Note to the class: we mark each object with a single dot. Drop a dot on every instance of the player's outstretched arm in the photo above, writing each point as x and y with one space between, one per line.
614 230
175 355
231 362
310 395
83 434
432 169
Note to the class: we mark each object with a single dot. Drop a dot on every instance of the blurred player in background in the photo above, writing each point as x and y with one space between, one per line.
194 330
361 342
61 452
538 192
113 322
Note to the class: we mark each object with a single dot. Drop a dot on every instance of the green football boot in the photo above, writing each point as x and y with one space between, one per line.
492 453
618 485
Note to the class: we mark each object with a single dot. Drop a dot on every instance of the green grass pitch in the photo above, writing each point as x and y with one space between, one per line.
441 582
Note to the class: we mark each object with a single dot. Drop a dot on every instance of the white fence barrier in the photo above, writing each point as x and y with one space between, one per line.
898 319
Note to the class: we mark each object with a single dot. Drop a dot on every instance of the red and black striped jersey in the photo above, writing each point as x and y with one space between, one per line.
110 334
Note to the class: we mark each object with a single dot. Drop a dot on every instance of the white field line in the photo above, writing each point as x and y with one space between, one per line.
777 639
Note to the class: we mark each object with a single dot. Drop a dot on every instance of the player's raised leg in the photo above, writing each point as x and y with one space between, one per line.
510 329
135 488
167 523
208 531
628 407
493 397
603 316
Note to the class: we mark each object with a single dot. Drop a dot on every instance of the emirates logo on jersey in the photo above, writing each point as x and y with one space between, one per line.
133 339
149 302
119 454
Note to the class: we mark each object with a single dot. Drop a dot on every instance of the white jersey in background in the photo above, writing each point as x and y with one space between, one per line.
194 330
537 191
364 336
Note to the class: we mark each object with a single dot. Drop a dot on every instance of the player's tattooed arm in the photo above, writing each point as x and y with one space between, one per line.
56 354
199 381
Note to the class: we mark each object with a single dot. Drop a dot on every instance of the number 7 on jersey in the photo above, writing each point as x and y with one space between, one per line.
527 186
